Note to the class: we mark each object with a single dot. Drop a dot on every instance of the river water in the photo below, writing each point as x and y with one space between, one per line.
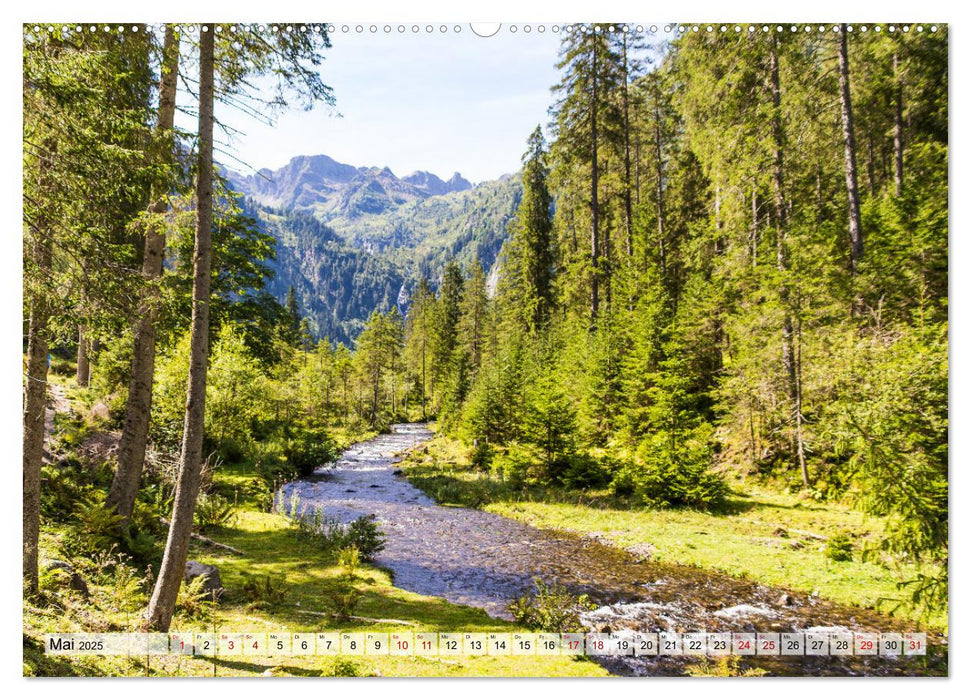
485 560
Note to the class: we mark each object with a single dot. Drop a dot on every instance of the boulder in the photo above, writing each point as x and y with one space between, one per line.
213 583
79 584
73 579
100 411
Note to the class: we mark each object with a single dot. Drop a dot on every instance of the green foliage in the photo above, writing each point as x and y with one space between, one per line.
341 667
482 454
97 527
723 667
344 593
551 608
362 534
214 511
264 590
583 471
194 601
839 547
308 449
673 478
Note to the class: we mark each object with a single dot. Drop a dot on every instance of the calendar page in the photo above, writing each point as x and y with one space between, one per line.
559 348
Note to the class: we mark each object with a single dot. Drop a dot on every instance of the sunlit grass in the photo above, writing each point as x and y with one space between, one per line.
763 535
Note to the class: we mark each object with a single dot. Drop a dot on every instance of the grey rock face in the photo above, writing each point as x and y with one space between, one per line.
213 583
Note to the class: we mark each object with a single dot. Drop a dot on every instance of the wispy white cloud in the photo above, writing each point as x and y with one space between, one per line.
444 103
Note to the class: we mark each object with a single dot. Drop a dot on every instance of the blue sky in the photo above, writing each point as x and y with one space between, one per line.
438 102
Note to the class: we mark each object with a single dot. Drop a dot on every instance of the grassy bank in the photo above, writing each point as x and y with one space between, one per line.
270 545
302 574
766 536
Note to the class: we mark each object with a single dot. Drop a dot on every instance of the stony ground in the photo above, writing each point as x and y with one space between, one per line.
486 560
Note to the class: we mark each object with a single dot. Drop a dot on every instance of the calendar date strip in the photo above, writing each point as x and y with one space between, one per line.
824 643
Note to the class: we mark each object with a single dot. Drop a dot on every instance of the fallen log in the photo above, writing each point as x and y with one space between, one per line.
379 620
208 541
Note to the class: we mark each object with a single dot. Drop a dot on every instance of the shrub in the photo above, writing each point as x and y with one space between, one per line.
343 593
127 592
839 547
482 453
581 471
264 590
61 490
341 667
97 527
308 449
552 608
673 475
366 537
212 511
194 600
233 450
363 533
691 485
517 466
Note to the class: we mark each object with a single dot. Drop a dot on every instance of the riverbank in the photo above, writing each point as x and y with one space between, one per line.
773 538
279 581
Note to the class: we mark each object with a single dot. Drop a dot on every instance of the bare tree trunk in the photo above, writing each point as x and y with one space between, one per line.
35 385
871 177
134 435
782 261
898 128
754 236
849 152
81 376
659 189
820 214
800 441
94 347
628 207
594 201
162 605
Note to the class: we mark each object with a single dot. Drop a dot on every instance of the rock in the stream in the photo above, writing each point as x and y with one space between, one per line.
212 584
785 600
397 472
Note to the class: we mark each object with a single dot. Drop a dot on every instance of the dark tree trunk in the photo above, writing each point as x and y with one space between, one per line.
134 435
628 207
35 399
849 153
594 199
782 262
81 376
898 128
162 605
35 384
754 236
659 189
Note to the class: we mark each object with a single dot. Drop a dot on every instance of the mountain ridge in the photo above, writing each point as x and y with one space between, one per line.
354 239
327 187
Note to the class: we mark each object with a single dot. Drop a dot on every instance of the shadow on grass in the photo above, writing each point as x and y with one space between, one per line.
310 575
259 668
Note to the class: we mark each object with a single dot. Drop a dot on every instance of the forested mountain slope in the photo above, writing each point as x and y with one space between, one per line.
351 240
